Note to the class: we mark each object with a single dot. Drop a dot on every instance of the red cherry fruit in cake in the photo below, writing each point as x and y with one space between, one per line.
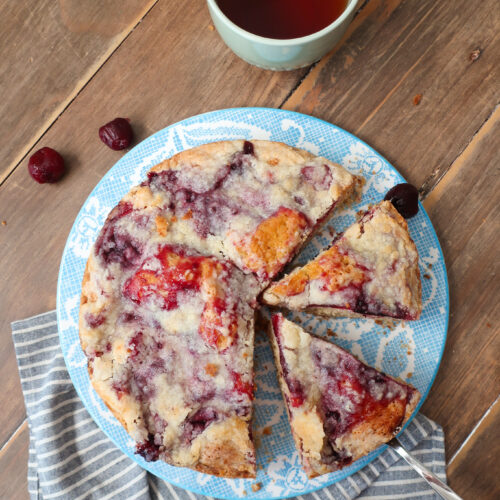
148 449
218 324
116 134
46 165
197 423
240 386
319 176
248 148
404 197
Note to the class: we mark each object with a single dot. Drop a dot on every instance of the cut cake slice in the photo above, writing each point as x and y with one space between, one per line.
339 408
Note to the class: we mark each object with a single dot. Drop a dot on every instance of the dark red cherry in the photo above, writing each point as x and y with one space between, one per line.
148 449
46 165
248 148
116 134
404 197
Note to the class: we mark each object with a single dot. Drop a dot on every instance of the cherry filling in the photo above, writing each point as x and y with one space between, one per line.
200 390
178 273
148 449
367 305
145 364
208 207
240 386
198 422
318 176
120 389
95 320
218 325
212 212
352 392
357 301
402 312
98 353
295 388
242 158
248 148
129 317
115 244
135 344
330 455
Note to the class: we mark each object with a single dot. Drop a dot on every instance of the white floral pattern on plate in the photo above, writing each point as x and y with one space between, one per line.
409 351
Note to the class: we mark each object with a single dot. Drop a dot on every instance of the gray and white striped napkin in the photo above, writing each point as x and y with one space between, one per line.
71 458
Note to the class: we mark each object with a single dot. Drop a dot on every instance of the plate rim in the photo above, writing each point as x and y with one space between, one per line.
374 454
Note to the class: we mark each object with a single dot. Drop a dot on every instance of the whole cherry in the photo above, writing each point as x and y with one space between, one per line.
404 197
117 134
46 165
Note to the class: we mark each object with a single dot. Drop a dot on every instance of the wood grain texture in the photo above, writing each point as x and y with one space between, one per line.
464 210
49 50
474 471
172 66
396 51
14 466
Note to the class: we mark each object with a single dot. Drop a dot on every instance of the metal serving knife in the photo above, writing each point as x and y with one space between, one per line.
434 482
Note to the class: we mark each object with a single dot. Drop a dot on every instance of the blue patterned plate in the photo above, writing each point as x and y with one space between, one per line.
411 351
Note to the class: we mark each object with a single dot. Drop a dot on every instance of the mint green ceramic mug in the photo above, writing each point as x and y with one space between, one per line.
280 55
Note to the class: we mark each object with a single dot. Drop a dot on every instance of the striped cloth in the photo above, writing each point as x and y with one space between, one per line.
71 458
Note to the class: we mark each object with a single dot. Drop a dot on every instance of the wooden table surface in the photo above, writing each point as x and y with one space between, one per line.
68 67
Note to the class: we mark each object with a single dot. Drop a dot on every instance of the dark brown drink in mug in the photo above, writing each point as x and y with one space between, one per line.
282 19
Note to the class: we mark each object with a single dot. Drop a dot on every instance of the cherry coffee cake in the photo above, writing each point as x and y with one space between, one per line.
370 270
339 408
170 288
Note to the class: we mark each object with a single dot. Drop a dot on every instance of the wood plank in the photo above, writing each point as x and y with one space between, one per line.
14 466
464 210
13 409
396 51
172 66
49 51
474 472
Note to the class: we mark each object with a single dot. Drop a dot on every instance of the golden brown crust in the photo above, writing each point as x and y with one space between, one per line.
410 407
380 428
376 428
224 460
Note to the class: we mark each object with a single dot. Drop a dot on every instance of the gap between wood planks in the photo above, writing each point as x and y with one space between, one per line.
316 67
14 436
428 185
476 427
76 92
